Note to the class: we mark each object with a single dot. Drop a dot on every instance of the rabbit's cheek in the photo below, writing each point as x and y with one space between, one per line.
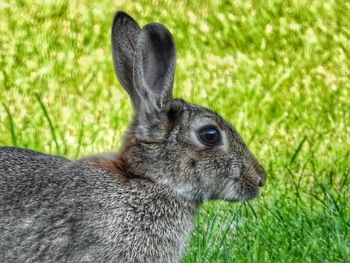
233 168
235 171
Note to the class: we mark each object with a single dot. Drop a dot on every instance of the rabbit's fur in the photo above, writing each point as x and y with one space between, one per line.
137 205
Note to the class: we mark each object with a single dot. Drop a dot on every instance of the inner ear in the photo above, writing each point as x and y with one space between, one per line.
154 67
157 60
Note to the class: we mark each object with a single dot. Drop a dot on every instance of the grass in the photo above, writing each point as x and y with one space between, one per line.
278 70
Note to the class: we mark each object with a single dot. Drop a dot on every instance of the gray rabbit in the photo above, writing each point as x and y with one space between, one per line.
137 205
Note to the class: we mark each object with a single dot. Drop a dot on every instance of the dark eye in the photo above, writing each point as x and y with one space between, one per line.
209 135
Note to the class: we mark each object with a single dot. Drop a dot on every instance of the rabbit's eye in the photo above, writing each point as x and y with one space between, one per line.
209 135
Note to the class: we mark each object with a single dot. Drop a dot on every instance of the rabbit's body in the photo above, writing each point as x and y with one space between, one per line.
56 210
137 205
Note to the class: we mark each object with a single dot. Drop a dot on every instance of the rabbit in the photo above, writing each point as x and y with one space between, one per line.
137 205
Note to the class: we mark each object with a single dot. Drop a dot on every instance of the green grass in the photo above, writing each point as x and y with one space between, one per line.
278 70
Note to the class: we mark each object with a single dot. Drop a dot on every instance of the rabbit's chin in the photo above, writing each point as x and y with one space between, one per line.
230 193
241 192
244 197
233 197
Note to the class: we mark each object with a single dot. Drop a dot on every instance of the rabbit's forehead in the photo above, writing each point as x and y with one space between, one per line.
200 116
198 113
200 121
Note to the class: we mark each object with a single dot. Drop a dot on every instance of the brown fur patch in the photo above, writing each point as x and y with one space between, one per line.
119 165
116 167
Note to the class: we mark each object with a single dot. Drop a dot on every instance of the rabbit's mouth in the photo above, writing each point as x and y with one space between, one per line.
249 189
239 190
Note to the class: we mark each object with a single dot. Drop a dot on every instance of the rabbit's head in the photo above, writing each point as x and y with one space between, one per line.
188 148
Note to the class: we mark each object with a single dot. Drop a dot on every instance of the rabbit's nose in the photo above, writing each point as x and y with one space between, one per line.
261 173
262 179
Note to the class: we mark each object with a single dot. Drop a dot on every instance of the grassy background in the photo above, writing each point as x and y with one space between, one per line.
278 70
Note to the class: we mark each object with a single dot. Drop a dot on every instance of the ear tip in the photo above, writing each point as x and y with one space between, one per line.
157 29
120 17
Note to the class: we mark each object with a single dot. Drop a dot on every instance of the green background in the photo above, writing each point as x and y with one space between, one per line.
279 71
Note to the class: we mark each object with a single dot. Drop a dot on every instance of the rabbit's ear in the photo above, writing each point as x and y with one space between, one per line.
154 67
125 32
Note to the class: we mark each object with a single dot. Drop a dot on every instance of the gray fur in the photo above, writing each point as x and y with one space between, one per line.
154 67
137 205
125 32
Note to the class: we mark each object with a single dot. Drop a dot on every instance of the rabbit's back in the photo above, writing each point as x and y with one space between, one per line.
25 179
22 169
53 209
50 208
24 174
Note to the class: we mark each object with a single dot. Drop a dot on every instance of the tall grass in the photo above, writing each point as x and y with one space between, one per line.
279 70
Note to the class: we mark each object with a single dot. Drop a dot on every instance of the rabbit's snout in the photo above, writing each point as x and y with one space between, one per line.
254 170
261 180
262 175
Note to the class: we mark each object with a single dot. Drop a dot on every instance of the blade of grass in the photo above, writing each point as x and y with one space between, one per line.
12 126
207 236
234 217
296 152
80 140
251 208
52 129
